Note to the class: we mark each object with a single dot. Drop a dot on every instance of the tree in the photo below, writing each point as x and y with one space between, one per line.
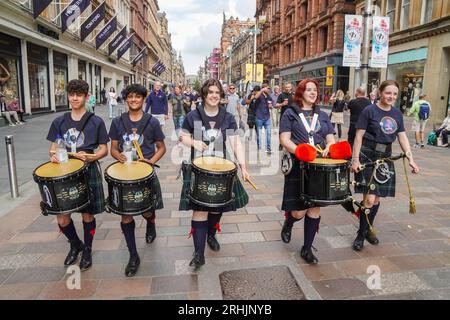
196 86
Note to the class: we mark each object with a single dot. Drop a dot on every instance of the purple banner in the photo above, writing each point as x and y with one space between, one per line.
139 56
124 48
39 6
118 39
106 32
72 12
93 21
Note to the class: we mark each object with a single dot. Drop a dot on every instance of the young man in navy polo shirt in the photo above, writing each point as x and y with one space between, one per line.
263 104
156 104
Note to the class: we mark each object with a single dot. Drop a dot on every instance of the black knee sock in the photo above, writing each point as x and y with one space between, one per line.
70 233
373 213
311 228
200 229
363 225
89 232
214 223
128 232
290 219
339 130
151 219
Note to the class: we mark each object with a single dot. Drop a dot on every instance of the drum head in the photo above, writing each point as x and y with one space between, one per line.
55 170
327 161
214 164
129 172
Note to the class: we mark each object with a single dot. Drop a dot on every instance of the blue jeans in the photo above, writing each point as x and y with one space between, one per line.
266 124
178 123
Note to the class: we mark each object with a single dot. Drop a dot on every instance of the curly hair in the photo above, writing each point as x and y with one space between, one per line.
301 88
210 83
78 86
135 88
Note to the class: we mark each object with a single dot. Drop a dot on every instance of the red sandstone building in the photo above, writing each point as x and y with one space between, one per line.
304 38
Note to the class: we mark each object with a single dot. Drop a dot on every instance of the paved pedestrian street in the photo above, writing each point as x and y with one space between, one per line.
412 259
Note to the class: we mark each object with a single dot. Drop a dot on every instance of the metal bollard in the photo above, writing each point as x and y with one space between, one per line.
10 154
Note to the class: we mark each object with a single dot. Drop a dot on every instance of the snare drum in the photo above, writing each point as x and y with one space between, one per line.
212 181
130 189
63 186
325 181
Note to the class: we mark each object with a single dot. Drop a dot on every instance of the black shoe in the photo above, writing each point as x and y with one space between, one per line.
197 261
86 259
286 232
308 256
132 266
372 238
72 256
213 243
150 234
358 244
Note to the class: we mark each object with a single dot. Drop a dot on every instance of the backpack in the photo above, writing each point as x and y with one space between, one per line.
424 111
432 139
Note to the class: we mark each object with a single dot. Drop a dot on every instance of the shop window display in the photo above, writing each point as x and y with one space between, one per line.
9 81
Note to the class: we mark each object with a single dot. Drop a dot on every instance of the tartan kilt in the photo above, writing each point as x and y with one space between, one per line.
291 193
156 195
240 195
95 184
386 189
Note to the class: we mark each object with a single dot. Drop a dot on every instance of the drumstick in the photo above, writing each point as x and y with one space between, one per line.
251 183
73 154
138 149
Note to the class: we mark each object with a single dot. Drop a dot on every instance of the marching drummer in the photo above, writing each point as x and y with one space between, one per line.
378 127
206 131
302 123
83 132
146 130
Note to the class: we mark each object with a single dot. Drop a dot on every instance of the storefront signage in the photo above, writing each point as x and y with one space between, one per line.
380 42
39 6
93 21
117 40
259 73
124 48
248 72
72 12
352 41
106 32
329 81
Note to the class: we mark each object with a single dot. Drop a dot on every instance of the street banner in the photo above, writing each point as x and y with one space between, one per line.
39 6
330 74
72 12
93 21
124 48
352 41
138 57
106 32
380 42
259 73
248 72
117 40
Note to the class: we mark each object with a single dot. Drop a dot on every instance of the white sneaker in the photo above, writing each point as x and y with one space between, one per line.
12 125
19 123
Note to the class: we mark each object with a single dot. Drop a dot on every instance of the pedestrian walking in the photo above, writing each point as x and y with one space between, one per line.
421 110
337 112
356 106
157 104
262 116
112 102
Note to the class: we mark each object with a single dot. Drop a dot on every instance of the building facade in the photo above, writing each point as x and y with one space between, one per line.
37 59
140 28
213 63
231 29
419 52
303 38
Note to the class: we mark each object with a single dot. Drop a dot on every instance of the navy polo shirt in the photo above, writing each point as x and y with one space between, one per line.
156 103
262 111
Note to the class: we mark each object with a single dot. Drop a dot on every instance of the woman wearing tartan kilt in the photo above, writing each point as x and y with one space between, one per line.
302 122
91 135
378 127
199 126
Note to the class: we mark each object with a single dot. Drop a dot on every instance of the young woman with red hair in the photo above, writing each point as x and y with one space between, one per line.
303 122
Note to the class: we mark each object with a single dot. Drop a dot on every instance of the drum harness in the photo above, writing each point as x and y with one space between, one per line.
79 128
125 119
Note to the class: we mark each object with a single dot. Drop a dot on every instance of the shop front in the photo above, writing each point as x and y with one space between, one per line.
408 69
38 76
60 79
10 67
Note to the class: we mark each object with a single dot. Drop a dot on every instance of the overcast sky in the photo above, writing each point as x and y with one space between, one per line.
195 25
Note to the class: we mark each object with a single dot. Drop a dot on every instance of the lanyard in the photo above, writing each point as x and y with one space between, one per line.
310 129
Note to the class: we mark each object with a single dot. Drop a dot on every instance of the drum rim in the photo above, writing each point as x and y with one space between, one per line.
108 178
59 178
211 205
134 213
65 212
234 170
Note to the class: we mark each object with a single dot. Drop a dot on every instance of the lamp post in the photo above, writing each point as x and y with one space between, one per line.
366 45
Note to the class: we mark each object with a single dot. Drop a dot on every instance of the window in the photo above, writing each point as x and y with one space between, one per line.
302 46
427 11
404 16
324 35
390 12
288 53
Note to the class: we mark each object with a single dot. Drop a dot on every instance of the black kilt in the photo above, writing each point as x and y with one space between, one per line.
291 193
95 184
386 189
240 195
